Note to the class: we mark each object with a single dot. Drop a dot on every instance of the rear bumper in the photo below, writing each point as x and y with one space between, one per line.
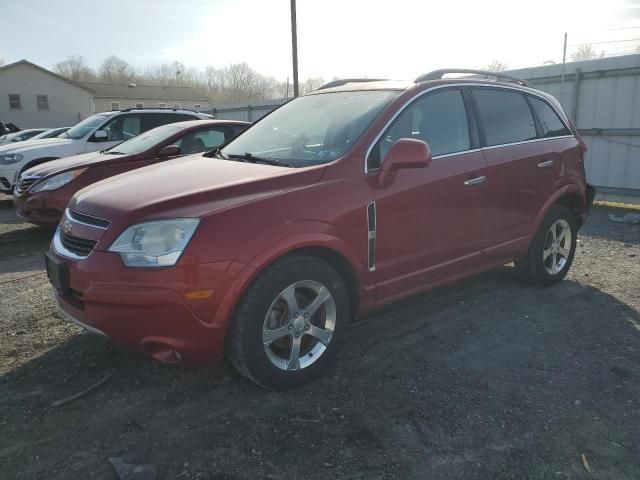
150 309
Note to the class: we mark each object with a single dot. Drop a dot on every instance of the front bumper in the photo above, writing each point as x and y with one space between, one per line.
43 208
150 309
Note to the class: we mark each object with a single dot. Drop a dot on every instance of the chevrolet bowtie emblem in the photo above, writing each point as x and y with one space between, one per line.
66 227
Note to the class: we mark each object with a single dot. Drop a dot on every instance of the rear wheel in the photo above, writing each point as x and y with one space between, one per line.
551 252
290 324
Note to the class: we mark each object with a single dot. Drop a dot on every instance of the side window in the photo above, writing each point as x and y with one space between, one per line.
201 141
440 119
506 116
210 138
552 126
122 127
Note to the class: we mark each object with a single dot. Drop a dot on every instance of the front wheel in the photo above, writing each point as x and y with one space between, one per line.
551 252
290 324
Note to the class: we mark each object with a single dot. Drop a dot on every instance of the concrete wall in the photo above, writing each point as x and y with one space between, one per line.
104 104
68 104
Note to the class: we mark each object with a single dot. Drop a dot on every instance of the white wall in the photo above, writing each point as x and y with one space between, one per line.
67 103
104 104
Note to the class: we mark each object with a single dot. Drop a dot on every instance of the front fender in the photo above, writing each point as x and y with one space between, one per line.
250 264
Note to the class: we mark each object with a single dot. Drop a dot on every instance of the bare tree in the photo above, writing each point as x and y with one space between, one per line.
585 52
497 66
1 61
75 68
116 70
311 84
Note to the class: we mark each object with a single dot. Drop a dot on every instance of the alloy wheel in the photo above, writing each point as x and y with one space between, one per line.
299 325
557 246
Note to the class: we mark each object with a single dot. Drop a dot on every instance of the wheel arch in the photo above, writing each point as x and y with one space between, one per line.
323 247
571 196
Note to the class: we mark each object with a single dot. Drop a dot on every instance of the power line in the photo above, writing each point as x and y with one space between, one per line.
608 41
610 140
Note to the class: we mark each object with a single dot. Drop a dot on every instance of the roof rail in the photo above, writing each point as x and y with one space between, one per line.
438 74
339 83
157 108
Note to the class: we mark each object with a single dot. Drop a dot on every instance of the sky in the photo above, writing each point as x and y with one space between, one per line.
336 38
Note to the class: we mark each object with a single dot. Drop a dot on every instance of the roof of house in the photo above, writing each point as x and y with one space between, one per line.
155 92
44 70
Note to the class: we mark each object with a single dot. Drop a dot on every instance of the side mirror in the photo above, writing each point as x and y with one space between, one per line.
168 151
100 136
405 153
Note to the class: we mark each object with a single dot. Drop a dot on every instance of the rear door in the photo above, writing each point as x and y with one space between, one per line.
428 224
517 185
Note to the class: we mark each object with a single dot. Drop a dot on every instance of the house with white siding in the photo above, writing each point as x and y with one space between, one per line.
111 96
32 97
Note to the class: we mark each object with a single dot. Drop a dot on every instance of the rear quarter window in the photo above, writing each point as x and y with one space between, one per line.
506 116
550 122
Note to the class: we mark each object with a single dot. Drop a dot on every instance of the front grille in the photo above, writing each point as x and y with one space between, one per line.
79 246
25 183
88 219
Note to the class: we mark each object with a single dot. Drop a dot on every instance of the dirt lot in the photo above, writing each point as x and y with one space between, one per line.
484 379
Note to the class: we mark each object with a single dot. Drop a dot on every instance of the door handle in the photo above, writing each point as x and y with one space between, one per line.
546 164
475 181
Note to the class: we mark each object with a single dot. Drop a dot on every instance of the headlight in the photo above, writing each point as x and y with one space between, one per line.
10 158
57 181
155 244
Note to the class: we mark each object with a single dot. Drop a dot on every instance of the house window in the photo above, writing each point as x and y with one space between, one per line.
115 105
196 106
43 102
14 102
162 105
176 105
139 105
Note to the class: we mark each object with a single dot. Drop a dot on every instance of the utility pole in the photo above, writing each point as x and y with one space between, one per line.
564 61
294 47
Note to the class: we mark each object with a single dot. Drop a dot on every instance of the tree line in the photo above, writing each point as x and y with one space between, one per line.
236 82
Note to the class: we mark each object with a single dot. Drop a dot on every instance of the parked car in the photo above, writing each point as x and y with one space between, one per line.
20 136
51 133
98 132
43 192
7 127
336 203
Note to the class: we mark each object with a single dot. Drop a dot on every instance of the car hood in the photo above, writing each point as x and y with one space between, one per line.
192 186
76 161
32 145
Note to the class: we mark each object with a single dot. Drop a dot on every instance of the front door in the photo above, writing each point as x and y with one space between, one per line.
429 220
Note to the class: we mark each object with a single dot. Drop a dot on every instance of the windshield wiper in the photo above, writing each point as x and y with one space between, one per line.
250 158
215 153
112 152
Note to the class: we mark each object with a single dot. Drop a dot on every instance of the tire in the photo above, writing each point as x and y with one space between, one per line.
263 315
545 263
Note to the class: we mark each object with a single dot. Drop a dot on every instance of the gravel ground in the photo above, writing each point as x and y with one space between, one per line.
484 379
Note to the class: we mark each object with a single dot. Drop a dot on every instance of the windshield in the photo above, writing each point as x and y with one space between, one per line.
84 127
313 129
145 140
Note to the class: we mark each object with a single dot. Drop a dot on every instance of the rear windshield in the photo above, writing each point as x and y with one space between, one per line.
145 141
313 129
85 127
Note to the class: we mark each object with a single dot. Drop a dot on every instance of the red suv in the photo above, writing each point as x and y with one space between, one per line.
43 192
338 202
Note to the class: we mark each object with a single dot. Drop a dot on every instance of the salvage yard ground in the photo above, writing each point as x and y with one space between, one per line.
484 379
